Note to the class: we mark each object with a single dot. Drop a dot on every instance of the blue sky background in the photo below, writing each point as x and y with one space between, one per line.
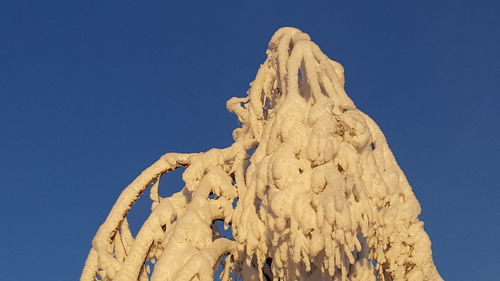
92 92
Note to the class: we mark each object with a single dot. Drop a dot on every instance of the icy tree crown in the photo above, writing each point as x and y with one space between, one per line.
309 189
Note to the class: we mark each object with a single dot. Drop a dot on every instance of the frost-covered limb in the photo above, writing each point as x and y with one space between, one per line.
106 233
152 231
309 187
187 246
91 266
200 265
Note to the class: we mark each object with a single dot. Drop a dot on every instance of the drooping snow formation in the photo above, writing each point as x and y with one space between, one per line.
309 189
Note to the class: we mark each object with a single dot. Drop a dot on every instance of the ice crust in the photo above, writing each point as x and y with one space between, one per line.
309 187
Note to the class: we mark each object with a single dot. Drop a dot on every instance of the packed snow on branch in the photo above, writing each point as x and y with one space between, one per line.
309 191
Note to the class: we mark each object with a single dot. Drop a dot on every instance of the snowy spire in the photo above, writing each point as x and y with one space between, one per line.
309 188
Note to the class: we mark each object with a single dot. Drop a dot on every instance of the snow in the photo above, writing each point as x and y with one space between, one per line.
321 194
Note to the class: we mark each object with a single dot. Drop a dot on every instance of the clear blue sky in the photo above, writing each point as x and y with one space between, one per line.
93 92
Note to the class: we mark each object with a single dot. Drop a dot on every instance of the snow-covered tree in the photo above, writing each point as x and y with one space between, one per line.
309 190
